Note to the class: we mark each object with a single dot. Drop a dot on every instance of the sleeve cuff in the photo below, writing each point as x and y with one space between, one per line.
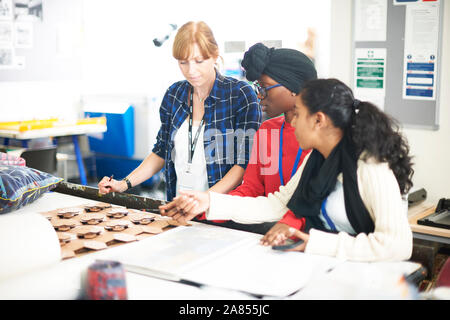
246 210
158 151
322 243
291 220
217 207
242 165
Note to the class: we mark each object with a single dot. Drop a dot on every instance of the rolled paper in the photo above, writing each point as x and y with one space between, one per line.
27 242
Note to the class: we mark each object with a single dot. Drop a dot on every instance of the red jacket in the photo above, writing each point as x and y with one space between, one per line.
261 176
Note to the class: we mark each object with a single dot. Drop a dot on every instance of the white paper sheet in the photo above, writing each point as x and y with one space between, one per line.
261 270
370 20
362 280
6 33
184 248
23 35
226 258
370 75
421 50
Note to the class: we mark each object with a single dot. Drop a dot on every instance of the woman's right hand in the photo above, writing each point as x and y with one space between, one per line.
186 206
106 185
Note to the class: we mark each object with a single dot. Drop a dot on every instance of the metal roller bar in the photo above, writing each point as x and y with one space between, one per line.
122 199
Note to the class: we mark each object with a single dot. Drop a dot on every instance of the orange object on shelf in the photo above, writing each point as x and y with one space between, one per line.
96 120
27 125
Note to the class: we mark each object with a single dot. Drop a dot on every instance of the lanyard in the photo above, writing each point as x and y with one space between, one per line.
280 156
191 145
327 218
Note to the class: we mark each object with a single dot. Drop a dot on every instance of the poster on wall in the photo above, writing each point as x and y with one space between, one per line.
23 35
6 57
6 9
420 53
370 75
406 2
6 33
29 10
19 62
370 20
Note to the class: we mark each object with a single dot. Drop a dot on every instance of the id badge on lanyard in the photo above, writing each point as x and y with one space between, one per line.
187 179
186 182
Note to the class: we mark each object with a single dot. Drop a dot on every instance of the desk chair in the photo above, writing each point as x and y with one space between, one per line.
43 159
443 279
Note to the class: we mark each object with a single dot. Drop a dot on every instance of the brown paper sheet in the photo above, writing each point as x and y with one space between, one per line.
87 231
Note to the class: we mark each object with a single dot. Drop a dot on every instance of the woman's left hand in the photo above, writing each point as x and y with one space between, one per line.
280 232
300 235
276 235
186 206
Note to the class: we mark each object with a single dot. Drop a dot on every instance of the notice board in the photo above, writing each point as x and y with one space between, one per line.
397 58
41 48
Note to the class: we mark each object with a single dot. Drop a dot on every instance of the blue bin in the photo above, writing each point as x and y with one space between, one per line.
114 151
118 140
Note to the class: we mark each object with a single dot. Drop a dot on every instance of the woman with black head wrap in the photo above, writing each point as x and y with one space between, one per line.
278 74
350 189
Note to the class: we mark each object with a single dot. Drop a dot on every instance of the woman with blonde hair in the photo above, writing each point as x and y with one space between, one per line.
207 123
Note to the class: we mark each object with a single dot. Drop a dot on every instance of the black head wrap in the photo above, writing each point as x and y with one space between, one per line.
289 67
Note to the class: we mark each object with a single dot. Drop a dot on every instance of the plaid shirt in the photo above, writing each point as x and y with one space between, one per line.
232 109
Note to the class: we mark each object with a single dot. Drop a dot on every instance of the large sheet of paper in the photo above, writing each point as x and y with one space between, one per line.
363 280
226 258
261 270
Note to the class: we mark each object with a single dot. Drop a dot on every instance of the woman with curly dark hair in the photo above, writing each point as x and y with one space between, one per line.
350 190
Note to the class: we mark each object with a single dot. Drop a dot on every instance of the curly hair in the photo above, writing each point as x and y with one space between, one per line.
372 130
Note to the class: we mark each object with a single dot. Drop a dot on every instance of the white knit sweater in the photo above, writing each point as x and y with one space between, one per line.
390 241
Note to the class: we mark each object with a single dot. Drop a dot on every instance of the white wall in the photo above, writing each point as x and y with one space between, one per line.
49 85
119 55
431 149
341 41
